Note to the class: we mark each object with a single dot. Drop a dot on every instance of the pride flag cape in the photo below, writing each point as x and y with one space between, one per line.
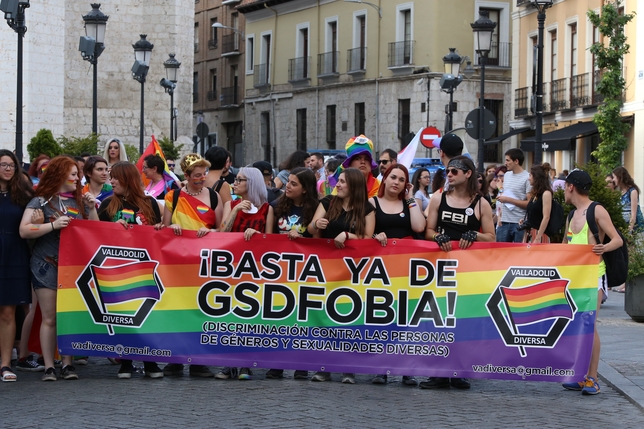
126 282
168 176
537 303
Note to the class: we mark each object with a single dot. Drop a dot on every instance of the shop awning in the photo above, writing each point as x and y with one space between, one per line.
507 135
563 139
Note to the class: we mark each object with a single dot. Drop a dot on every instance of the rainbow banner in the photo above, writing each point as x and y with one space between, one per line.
495 310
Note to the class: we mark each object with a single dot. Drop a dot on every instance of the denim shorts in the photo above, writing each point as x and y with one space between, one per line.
44 275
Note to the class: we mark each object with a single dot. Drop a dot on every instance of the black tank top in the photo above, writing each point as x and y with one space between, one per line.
454 222
397 225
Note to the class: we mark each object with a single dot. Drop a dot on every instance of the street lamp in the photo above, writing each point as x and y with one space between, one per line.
483 29
142 54
14 13
91 47
541 6
169 84
375 6
220 25
449 81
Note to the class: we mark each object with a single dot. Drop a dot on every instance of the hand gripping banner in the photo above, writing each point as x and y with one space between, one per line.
496 310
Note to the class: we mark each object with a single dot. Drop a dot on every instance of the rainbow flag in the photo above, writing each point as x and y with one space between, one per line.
72 212
126 282
168 176
536 303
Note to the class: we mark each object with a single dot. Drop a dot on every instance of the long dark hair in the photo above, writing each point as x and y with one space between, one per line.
540 180
357 201
625 178
294 160
472 185
309 197
129 177
20 189
415 181
56 175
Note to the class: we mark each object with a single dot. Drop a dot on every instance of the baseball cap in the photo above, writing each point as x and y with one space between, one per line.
580 179
264 166
450 143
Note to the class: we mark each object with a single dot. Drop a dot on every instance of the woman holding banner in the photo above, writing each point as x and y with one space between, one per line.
251 214
96 174
193 208
15 290
130 206
345 216
58 201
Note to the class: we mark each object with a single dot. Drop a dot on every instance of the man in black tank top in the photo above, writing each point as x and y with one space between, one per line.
458 214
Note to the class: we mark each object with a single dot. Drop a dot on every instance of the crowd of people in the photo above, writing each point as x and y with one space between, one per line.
348 197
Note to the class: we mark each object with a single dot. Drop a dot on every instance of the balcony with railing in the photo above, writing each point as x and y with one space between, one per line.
499 56
230 44
579 90
401 54
597 77
229 96
521 102
212 44
559 94
196 47
212 95
357 60
328 64
298 69
260 76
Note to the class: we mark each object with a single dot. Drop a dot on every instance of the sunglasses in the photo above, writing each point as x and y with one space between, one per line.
453 171
172 165
383 161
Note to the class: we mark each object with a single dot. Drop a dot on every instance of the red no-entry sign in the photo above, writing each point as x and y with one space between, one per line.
428 135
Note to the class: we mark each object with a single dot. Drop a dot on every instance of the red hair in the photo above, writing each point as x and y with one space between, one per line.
381 189
55 177
33 168
129 178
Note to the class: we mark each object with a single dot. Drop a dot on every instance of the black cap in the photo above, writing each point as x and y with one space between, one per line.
451 144
264 166
580 179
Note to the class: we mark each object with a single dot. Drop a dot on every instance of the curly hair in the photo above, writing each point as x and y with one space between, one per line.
357 185
55 177
130 179
21 189
625 178
309 197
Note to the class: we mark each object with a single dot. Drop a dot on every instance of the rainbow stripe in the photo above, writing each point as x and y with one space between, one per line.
569 236
72 211
203 209
34 227
127 214
536 303
126 282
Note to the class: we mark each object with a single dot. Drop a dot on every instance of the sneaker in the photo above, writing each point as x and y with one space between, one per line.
321 376
348 378
459 383
28 364
435 383
114 361
301 375
379 379
69 373
226 373
173 369
575 385
591 387
200 371
50 375
152 370
125 371
81 360
245 373
57 363
409 380
275 374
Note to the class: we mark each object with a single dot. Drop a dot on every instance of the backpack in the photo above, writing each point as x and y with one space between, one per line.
616 260
556 221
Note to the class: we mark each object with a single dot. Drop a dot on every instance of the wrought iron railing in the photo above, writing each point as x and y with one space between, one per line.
500 55
559 94
298 68
229 96
328 63
212 95
212 43
579 91
357 59
260 76
597 97
401 53
230 44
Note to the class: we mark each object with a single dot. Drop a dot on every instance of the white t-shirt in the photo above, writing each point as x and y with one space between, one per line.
515 186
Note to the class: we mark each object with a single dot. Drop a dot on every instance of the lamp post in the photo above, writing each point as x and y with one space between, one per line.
220 25
169 84
14 13
541 6
95 23
483 29
449 81
142 54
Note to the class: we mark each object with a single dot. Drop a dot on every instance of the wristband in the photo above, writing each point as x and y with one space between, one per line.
52 226
346 235
410 201
469 236
315 224
441 239
434 236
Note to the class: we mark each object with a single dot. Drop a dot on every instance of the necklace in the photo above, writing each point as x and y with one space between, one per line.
190 193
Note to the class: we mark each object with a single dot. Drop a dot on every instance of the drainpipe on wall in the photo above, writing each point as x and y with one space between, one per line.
272 65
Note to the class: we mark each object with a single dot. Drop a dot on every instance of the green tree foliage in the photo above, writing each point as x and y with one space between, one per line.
170 150
132 152
609 61
77 145
43 143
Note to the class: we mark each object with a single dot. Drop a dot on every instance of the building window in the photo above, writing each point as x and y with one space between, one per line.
262 70
358 55
330 126
494 58
250 54
212 94
403 120
573 49
404 35
300 68
196 37
265 134
234 18
300 117
195 87
553 55
360 119
212 43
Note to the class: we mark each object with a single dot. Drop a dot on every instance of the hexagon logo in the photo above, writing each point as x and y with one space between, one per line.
531 307
116 276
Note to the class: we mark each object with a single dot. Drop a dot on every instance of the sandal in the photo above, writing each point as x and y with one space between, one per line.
7 374
619 289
